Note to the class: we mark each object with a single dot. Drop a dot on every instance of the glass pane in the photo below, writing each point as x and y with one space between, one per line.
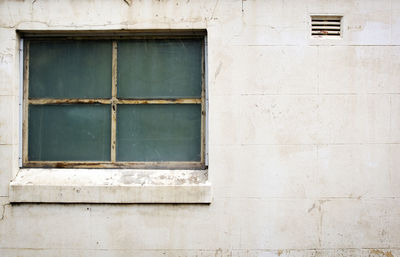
159 68
70 69
158 132
69 132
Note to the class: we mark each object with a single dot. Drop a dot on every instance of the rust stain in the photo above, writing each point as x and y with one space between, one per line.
381 253
218 252
60 165
280 252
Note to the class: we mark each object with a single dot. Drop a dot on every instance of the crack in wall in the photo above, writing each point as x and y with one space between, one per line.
318 207
215 7
3 211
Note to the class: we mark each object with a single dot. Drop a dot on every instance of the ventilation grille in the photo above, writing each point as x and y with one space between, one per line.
327 26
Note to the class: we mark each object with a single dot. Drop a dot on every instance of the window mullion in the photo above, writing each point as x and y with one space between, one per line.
113 102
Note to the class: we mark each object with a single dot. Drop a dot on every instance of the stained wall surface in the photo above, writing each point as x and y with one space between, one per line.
304 134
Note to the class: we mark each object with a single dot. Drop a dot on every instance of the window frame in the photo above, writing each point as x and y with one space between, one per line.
113 101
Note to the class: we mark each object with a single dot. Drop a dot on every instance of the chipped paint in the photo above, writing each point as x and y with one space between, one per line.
111 186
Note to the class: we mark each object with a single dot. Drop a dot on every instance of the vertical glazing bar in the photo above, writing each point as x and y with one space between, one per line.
206 97
21 102
25 105
203 112
113 103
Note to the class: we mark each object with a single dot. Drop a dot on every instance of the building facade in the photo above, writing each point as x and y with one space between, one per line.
299 140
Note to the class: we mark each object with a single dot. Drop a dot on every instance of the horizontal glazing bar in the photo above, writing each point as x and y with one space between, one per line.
117 101
160 101
68 101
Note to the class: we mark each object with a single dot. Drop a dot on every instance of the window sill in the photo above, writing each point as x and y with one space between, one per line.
110 186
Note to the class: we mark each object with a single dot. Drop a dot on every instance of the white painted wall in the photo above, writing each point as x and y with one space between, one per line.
304 134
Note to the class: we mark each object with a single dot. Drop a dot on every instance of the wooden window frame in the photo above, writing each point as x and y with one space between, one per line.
113 102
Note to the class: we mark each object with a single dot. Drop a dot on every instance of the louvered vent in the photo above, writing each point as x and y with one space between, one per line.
326 26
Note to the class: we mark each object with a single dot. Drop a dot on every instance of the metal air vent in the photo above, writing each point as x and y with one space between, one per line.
326 26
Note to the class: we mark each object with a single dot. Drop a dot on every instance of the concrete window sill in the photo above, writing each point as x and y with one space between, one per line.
110 186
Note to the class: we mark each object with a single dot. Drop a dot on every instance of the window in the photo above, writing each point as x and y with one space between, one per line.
114 102
130 104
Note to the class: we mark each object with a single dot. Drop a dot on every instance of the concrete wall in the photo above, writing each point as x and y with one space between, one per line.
304 134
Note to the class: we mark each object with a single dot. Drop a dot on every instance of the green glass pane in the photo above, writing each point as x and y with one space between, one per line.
69 132
159 68
70 69
158 132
